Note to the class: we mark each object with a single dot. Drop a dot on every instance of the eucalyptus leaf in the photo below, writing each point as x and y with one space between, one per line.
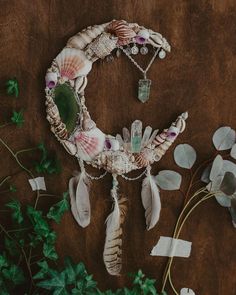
221 198
216 167
168 180
224 138
233 151
186 291
206 174
228 184
185 156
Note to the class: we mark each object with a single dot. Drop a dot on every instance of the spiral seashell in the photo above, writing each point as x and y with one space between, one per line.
53 112
161 149
160 138
69 146
80 84
73 63
87 122
145 158
122 30
82 39
89 143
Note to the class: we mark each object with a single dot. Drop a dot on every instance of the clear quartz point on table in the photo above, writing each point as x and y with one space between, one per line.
144 89
136 136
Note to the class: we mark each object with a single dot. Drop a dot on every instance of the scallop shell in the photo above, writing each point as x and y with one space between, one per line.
122 30
89 143
160 138
73 63
83 38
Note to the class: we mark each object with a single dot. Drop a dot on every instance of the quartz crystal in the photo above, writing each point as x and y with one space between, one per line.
136 136
144 89
146 136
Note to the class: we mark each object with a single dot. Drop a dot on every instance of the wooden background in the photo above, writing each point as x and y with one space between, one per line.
198 76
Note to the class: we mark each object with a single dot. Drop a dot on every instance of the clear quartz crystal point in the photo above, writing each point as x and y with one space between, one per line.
144 89
126 138
154 134
146 136
120 140
136 136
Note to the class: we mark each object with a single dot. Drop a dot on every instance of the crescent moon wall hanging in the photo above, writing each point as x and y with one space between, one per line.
72 125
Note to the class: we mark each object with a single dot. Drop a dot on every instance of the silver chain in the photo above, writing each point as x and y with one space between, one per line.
96 177
144 71
134 178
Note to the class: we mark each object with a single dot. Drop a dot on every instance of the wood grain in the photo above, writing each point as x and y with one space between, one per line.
199 76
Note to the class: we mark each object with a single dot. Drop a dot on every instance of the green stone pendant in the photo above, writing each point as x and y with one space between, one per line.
144 89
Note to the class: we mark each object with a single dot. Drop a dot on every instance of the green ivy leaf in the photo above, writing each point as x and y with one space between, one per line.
43 270
18 118
56 282
11 247
14 274
16 211
12 87
3 261
39 223
49 251
56 211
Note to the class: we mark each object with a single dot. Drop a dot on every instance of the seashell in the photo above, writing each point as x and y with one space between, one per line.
80 84
51 79
156 40
172 131
101 47
116 162
87 122
180 122
112 143
53 112
144 34
89 143
82 39
73 63
69 146
145 158
122 30
160 138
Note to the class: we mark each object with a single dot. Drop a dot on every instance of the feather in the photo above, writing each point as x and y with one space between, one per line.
151 201
79 198
112 249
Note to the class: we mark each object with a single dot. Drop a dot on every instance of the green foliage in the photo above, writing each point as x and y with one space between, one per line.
18 118
16 210
12 188
12 87
56 212
48 163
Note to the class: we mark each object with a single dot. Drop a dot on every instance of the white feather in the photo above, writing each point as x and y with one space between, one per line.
112 249
79 198
151 201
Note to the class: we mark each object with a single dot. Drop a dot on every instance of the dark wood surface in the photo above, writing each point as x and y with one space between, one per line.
199 76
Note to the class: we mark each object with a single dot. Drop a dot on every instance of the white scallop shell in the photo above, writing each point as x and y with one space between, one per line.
89 143
73 63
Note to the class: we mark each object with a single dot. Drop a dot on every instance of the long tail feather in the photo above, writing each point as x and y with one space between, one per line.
113 244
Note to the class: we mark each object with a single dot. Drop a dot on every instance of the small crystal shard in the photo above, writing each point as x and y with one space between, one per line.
136 136
154 134
126 138
144 89
146 136
120 140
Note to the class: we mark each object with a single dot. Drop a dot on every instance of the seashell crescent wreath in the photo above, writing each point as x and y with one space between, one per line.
72 125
